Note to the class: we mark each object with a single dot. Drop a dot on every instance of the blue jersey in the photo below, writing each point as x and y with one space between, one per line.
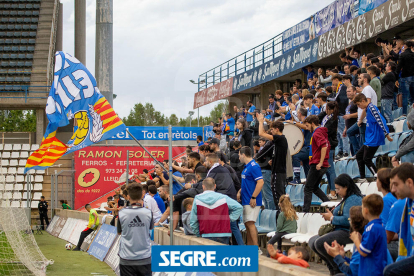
160 203
394 218
250 175
249 117
176 186
376 129
231 123
389 200
313 110
374 244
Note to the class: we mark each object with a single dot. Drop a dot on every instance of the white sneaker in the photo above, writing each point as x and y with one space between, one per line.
332 197
362 180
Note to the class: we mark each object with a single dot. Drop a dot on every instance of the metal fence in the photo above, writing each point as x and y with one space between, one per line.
250 59
30 92
62 188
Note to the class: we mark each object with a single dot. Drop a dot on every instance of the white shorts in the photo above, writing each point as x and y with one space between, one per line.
250 214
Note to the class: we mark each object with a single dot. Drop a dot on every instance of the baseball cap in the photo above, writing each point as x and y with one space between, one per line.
214 141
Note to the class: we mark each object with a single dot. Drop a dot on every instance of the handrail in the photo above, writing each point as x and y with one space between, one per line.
247 60
26 91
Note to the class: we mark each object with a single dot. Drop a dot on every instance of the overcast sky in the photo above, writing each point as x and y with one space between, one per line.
160 45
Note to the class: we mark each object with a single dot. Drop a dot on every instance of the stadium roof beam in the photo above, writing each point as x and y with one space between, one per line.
80 30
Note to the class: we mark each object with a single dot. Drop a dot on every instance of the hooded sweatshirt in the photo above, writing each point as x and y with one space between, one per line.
212 213
408 144
320 140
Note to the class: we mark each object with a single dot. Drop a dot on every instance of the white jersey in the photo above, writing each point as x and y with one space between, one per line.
151 204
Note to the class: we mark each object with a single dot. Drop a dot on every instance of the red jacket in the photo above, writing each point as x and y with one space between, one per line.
319 141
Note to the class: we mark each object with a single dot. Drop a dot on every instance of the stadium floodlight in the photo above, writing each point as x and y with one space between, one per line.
191 113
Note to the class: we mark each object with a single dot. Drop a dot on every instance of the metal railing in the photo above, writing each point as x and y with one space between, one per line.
27 90
52 43
247 60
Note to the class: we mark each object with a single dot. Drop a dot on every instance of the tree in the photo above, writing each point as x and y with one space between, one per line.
17 120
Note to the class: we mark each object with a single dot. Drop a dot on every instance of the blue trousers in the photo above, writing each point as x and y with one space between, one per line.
302 155
407 90
267 190
343 142
354 138
362 134
330 173
386 106
236 232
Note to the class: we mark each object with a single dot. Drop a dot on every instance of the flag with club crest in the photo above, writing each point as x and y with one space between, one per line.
74 95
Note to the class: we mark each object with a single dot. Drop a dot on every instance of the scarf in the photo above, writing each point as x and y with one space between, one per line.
405 238
326 119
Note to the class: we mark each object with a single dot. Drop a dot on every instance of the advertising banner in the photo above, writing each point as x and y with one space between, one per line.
67 229
97 168
333 15
103 241
52 224
282 65
59 226
364 27
214 93
208 132
299 34
112 258
79 227
160 133
367 5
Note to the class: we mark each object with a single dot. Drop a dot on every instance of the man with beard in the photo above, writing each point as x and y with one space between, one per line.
221 176
250 112
193 163
215 148
279 157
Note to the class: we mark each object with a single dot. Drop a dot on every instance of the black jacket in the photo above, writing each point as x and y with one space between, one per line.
254 125
332 126
235 163
342 100
264 156
246 138
388 87
406 64
42 206
224 182
234 177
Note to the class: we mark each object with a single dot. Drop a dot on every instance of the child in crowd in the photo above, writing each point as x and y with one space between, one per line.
188 205
65 204
286 222
373 246
296 256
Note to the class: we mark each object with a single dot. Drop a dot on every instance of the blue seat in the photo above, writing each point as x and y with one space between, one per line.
267 221
367 171
405 126
408 158
349 168
299 194
355 169
288 188
336 165
302 173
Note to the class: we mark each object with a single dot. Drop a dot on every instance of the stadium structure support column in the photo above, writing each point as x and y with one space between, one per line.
104 48
80 30
59 35
40 125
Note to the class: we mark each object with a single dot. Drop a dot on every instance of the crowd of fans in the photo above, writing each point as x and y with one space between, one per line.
246 166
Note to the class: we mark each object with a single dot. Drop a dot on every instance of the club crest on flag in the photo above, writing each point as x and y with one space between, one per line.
74 95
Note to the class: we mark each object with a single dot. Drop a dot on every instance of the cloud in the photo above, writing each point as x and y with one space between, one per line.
160 45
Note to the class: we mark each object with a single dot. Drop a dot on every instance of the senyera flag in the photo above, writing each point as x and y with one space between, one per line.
74 95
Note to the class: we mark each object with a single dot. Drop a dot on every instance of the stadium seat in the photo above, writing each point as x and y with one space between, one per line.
35 147
18 187
34 204
314 223
25 147
26 186
11 170
15 155
37 195
1 147
15 204
408 157
6 155
20 170
302 226
38 179
3 170
268 223
363 187
17 195
38 187
22 162
399 126
8 147
17 147
14 162
23 204
40 172
10 179
8 187
24 154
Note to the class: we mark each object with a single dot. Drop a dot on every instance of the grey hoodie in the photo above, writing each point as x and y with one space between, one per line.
408 145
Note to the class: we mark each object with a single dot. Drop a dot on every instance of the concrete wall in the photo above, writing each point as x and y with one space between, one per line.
267 266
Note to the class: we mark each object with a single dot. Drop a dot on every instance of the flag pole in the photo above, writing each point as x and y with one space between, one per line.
171 185
127 168
158 162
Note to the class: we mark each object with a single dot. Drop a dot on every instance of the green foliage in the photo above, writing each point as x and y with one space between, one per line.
146 115
17 120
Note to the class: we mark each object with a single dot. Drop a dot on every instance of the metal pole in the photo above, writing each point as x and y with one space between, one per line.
127 168
190 121
51 197
156 161
171 184
57 187
27 190
198 117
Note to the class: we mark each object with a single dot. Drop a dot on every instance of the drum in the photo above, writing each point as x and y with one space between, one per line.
294 137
